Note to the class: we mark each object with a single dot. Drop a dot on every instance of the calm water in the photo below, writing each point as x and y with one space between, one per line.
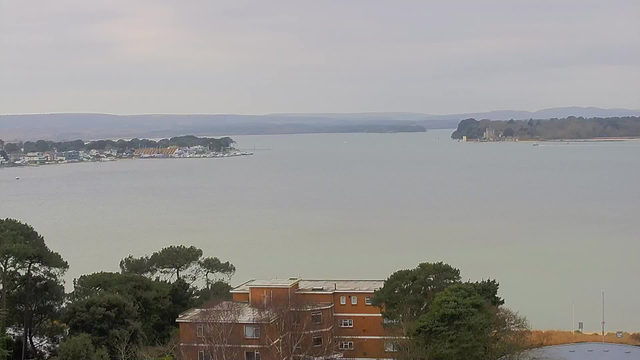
555 224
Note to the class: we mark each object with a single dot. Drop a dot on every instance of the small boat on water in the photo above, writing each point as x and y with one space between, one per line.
536 144
17 177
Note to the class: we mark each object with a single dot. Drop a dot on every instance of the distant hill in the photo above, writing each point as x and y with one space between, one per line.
100 126
559 112
585 112
378 116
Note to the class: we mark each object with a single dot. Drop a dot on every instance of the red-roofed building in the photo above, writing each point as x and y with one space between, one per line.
292 318
156 151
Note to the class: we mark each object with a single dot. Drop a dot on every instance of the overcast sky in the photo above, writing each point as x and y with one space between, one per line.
254 57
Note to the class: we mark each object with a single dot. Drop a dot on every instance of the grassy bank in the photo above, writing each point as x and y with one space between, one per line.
554 337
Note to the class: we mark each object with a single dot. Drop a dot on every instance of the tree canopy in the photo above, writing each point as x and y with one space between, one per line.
174 260
139 266
28 268
212 266
179 261
101 315
443 318
457 325
408 293
77 347
157 301
77 145
151 298
107 315
552 129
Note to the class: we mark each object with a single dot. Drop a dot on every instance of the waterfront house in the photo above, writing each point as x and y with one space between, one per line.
49 156
34 158
489 134
73 155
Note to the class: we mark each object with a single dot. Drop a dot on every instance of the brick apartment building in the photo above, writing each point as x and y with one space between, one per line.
291 318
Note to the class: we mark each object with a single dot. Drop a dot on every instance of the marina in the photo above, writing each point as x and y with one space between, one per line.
56 157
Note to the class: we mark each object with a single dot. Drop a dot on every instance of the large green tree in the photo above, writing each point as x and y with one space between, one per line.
457 325
12 233
440 317
151 298
139 266
134 307
212 269
38 261
104 316
407 294
45 329
488 289
177 260
189 280
25 256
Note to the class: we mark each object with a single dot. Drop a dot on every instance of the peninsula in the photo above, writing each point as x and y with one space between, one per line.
569 128
43 152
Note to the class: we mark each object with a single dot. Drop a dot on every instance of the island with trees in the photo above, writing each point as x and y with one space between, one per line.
570 128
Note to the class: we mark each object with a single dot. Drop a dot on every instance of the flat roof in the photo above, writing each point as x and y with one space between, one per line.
340 285
586 351
228 312
314 285
244 287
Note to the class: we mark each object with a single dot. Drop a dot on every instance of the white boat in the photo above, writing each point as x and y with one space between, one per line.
535 144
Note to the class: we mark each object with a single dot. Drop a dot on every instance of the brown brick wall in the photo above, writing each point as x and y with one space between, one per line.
367 332
241 297
360 307
362 326
367 348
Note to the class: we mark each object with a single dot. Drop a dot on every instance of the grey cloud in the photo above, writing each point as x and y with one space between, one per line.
278 56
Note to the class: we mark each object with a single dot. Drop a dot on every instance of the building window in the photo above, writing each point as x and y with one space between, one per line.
200 330
317 341
201 355
343 300
316 317
346 345
296 319
389 321
354 300
368 300
251 332
252 355
391 346
346 323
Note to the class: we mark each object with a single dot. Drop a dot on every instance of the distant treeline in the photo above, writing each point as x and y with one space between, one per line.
180 141
552 129
372 128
